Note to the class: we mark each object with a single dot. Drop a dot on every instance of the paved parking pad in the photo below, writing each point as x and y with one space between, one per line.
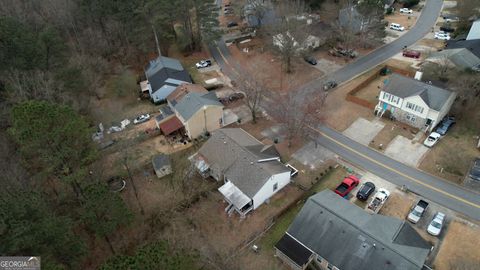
403 150
363 131
313 155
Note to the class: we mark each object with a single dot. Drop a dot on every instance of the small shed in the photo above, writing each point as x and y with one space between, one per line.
161 165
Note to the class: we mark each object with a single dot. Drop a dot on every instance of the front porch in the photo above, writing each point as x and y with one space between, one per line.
236 199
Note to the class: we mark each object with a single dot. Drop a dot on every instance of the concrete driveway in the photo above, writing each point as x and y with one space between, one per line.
363 131
326 66
313 155
403 150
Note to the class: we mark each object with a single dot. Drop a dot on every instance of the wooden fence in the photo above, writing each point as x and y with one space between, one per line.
365 103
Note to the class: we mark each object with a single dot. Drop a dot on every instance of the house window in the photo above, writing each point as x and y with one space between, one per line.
329 266
414 107
411 118
275 186
386 95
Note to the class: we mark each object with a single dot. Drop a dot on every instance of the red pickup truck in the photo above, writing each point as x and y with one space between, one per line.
347 185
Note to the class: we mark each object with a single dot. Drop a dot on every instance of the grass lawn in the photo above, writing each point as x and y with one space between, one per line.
329 181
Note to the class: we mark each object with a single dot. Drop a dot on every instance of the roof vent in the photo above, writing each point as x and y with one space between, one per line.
251 163
225 142
374 245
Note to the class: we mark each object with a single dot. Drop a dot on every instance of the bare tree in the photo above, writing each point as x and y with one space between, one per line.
289 32
254 91
297 112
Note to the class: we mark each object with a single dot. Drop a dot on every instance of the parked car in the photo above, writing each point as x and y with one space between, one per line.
474 172
397 27
347 185
310 60
450 18
435 226
411 54
142 118
432 139
329 85
418 210
235 96
378 200
406 10
442 35
365 191
203 64
339 52
447 29
232 24
445 125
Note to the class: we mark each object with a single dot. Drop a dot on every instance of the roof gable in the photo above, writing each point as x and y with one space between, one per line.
230 150
350 238
404 87
165 71
474 32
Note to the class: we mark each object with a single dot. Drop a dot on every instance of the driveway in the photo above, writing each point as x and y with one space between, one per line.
406 151
363 131
313 155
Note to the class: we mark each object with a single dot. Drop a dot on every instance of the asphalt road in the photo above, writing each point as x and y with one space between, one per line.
432 188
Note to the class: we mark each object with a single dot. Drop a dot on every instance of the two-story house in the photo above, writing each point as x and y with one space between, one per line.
197 109
413 102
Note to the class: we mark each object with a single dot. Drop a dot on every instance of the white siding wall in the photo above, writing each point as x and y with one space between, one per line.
418 101
267 190
390 99
446 107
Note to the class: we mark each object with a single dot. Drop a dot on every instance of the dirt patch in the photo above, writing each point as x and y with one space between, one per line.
388 133
259 57
407 21
371 91
398 205
459 249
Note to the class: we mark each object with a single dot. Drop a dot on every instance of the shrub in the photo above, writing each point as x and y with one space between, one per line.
410 3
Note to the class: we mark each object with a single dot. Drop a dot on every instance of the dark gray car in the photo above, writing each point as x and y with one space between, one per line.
475 170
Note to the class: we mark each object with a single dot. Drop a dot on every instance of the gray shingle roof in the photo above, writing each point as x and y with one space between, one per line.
401 86
229 150
159 161
471 45
352 239
159 70
193 102
461 57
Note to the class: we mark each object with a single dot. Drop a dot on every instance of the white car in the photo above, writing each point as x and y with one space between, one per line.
203 64
442 36
142 118
406 10
435 226
396 26
432 139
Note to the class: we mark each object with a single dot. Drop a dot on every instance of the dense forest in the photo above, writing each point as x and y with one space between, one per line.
54 55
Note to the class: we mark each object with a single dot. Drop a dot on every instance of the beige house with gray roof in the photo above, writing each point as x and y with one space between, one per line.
413 102
251 171
197 109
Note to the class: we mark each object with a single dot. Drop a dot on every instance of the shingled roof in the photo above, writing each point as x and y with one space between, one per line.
187 99
239 156
403 87
351 239
165 71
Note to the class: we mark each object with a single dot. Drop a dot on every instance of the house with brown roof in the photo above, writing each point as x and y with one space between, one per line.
251 171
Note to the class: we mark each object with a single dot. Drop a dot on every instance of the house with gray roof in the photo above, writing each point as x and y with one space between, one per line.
333 233
163 74
418 104
197 109
251 171
461 58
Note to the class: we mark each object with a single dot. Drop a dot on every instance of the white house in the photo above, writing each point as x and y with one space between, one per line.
416 103
251 171
310 42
